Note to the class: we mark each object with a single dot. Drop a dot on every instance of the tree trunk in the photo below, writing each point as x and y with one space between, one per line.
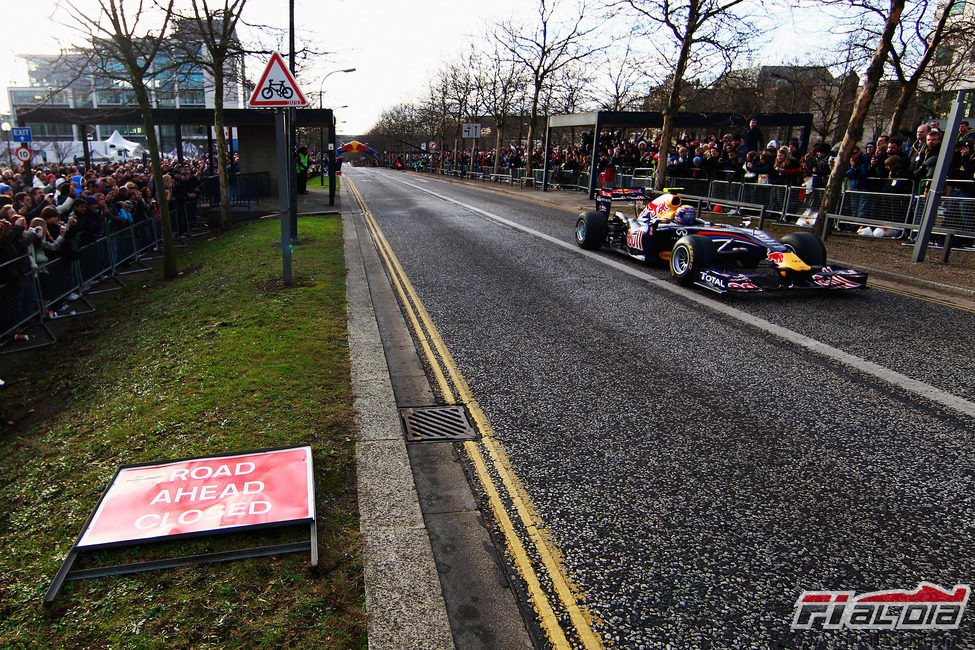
218 124
908 90
498 139
854 130
909 87
672 108
159 185
532 127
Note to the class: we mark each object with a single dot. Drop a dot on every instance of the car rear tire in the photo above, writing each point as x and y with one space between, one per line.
591 230
807 246
691 253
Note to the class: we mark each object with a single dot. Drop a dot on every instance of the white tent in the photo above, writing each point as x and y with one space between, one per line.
118 143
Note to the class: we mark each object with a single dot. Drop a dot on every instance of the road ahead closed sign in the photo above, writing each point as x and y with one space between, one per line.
202 495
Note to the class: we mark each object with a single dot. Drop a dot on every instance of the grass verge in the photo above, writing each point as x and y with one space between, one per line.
223 359
315 180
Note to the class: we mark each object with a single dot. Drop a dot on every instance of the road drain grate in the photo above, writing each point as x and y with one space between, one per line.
436 423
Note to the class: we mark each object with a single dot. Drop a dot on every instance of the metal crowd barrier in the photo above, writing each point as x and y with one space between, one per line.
60 282
19 302
30 301
899 203
858 207
244 189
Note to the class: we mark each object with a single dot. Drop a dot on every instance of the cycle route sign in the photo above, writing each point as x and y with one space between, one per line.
277 87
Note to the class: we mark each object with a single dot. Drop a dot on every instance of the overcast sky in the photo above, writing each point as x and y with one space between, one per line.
395 46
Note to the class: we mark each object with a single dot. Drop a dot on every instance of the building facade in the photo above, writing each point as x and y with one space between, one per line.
65 81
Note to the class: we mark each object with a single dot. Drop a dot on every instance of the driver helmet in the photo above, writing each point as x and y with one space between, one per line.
685 215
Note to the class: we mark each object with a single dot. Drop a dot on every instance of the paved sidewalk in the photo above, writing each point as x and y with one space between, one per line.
404 601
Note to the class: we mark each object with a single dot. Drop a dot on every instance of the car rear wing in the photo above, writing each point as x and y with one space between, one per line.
605 198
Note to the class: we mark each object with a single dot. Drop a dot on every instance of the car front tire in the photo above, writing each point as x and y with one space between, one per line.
690 254
807 246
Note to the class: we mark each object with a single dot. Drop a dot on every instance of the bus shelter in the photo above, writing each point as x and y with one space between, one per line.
255 128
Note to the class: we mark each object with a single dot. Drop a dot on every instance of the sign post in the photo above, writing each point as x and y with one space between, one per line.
278 88
472 130
24 135
284 190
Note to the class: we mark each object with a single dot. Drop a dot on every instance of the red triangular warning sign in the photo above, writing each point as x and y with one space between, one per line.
277 87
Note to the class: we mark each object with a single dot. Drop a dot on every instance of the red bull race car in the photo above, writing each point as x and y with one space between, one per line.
719 257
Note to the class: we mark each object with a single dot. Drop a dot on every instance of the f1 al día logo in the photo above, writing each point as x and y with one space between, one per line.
929 607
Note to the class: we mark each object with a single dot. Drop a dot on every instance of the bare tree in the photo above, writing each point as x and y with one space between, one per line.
501 82
461 93
622 84
570 90
924 26
439 107
950 71
215 48
62 148
706 35
399 126
123 39
854 129
548 46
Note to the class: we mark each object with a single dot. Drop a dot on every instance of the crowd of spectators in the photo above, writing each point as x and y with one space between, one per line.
889 164
60 209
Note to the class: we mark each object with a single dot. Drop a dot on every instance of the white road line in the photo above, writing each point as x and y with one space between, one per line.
887 375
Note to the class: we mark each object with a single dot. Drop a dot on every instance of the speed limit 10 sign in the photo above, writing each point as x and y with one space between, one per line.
23 154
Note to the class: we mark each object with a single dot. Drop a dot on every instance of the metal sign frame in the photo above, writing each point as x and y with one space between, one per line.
936 191
66 574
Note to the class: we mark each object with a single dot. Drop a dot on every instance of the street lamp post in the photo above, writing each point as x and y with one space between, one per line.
6 134
321 131
792 106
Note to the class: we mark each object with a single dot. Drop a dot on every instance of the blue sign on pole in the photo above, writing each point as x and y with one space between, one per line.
21 134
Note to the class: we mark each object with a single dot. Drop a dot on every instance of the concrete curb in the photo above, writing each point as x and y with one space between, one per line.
404 601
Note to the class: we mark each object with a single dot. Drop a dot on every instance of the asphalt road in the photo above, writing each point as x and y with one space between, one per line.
700 462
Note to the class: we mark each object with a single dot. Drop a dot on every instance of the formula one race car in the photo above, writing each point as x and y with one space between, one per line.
715 256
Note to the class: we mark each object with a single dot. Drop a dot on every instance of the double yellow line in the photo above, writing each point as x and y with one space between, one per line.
921 296
454 387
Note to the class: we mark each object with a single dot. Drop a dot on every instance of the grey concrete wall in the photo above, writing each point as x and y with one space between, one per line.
258 151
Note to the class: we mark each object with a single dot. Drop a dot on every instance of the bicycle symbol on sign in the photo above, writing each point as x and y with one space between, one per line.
279 88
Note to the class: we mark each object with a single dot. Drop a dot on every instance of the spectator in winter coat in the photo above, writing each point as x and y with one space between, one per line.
816 164
16 287
65 198
752 138
857 174
923 166
91 222
785 168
